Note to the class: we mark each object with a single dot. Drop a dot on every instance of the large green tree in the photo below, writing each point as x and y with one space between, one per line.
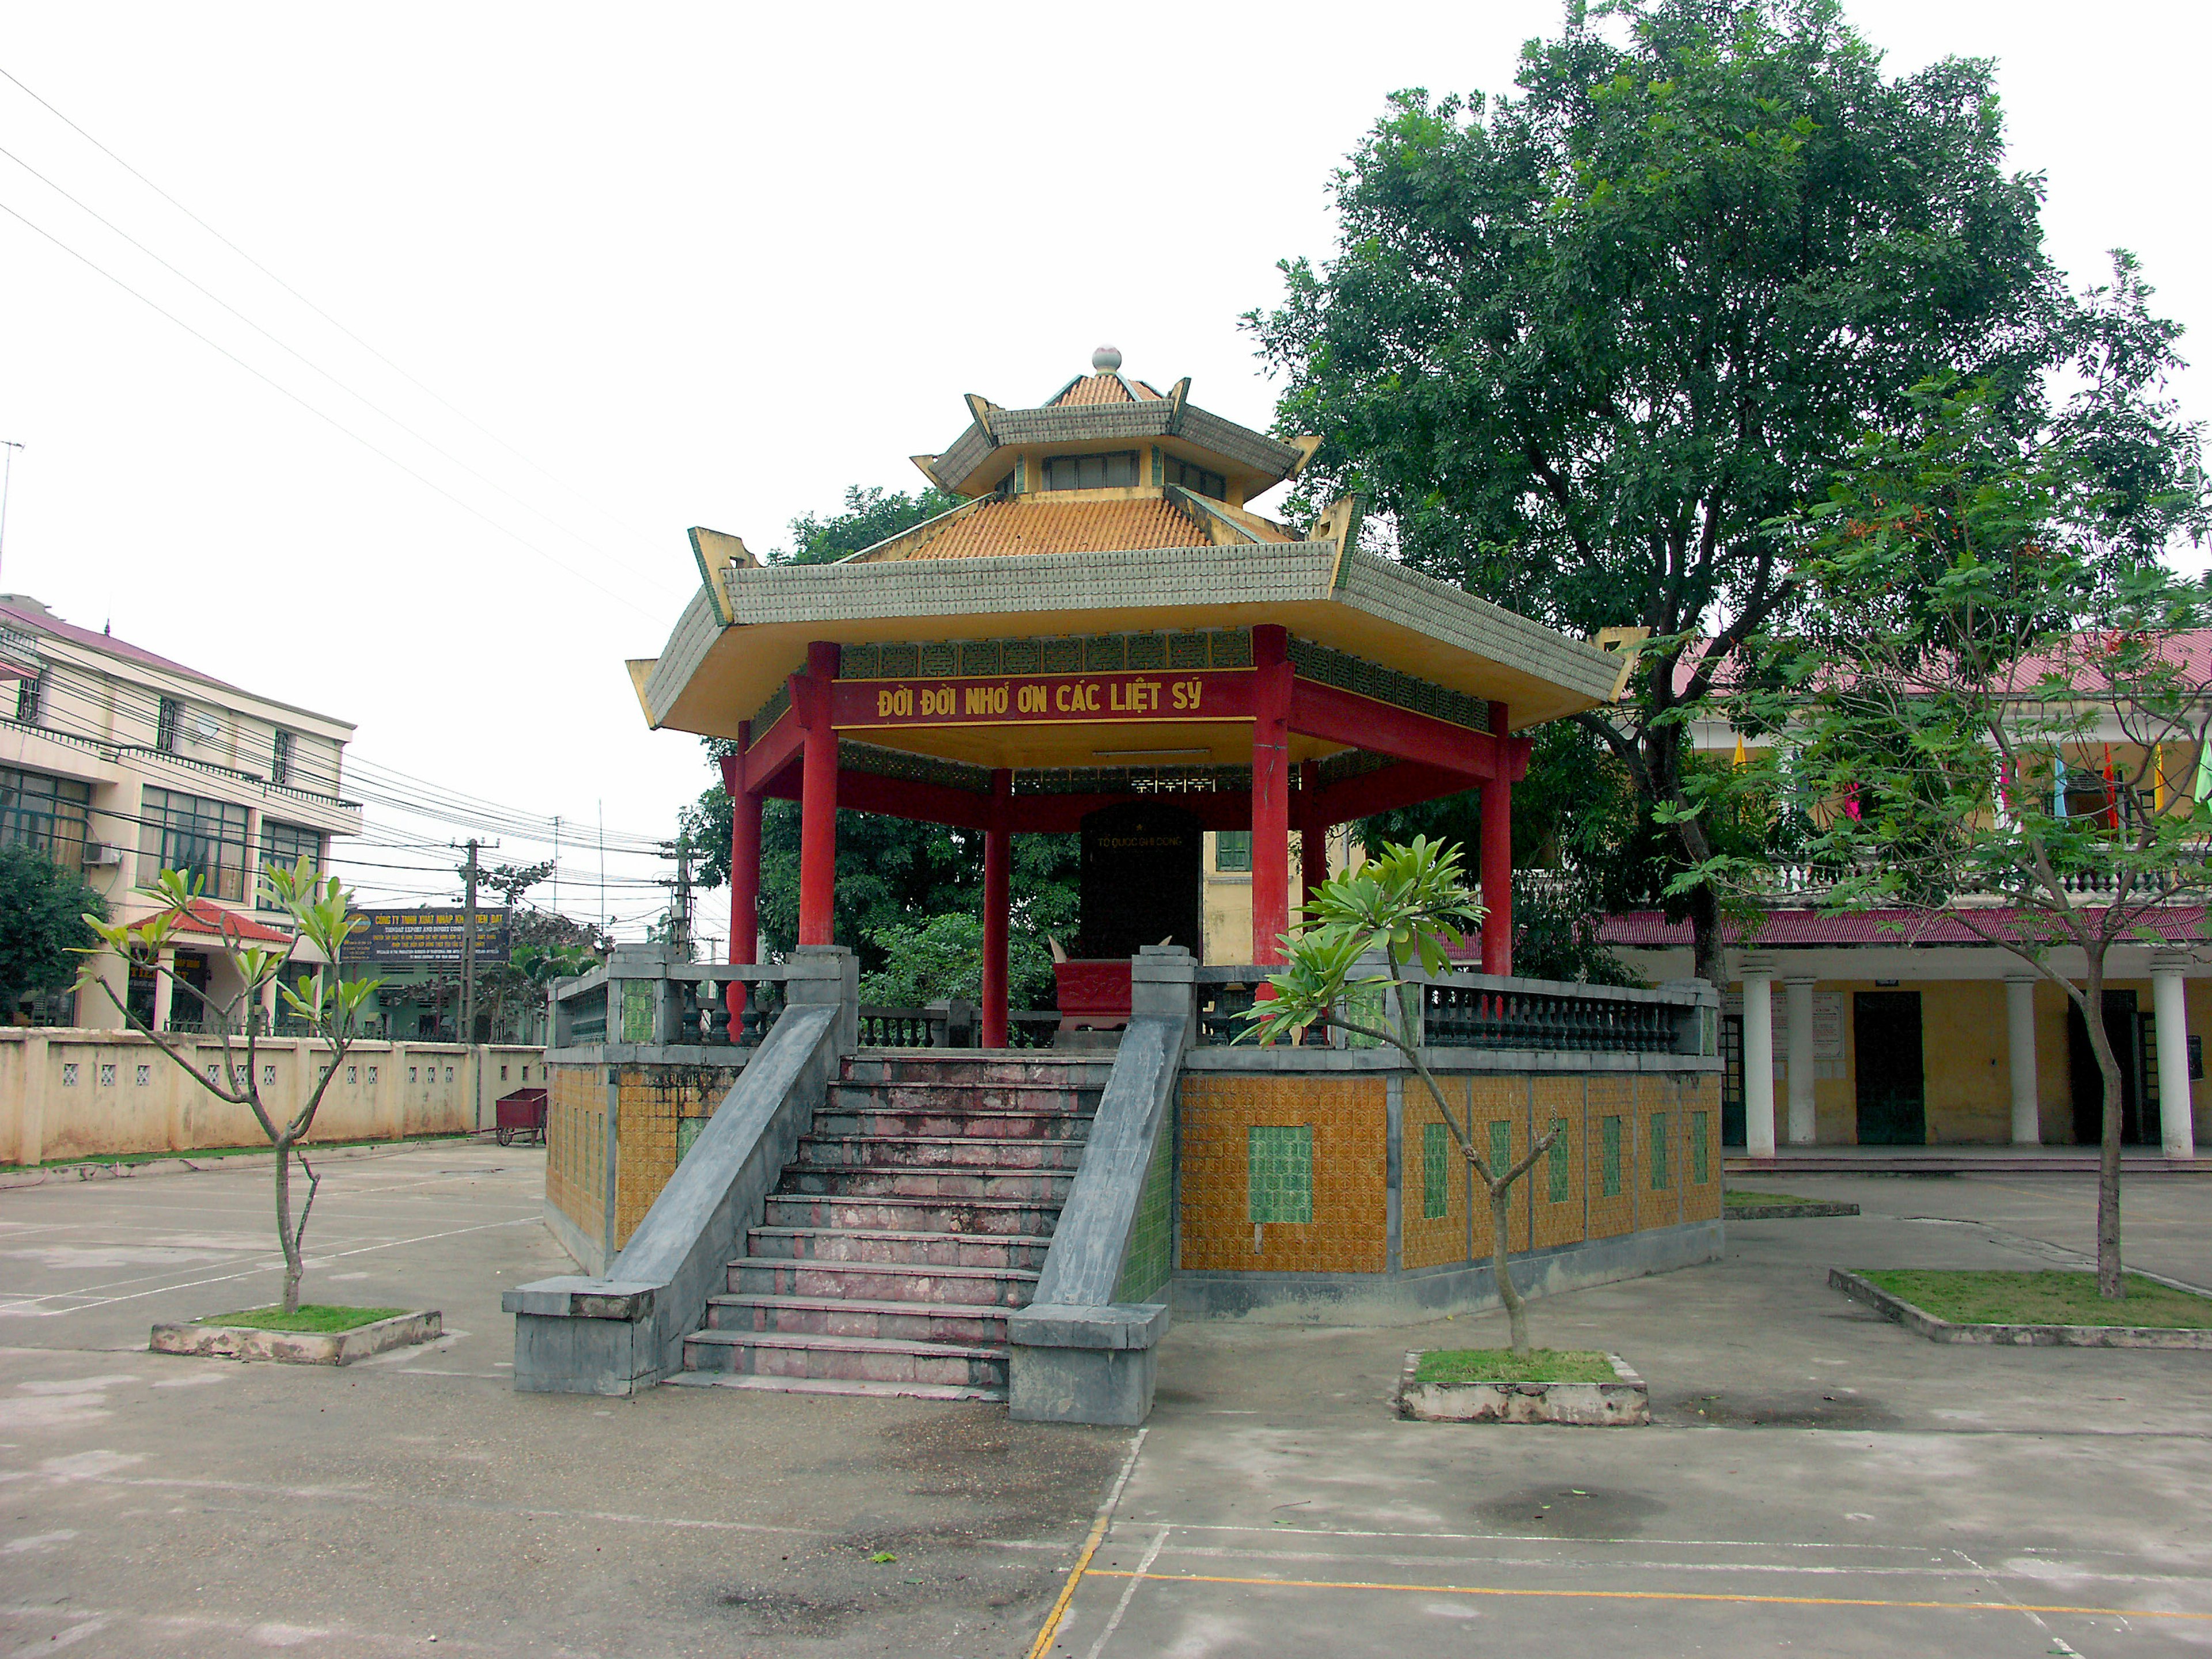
894 876
1586 346
42 911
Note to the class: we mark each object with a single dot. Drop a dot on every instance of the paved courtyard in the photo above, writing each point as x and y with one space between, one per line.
1818 1480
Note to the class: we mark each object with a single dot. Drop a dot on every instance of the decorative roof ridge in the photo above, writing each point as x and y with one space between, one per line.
1206 514
931 525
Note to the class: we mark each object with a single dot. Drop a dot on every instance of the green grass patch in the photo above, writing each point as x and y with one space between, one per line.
1500 1365
1735 1200
318 1316
2057 1296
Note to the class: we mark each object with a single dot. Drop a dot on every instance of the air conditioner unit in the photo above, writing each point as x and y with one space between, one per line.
102 855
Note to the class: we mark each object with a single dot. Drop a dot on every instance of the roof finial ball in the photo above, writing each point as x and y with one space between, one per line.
1106 359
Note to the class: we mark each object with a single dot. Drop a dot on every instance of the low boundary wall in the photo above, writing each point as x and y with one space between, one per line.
68 1093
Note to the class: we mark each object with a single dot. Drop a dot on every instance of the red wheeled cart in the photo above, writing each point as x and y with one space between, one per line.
522 1116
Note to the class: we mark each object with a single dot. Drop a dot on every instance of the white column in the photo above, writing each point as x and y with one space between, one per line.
2176 1106
2020 1043
1758 977
1798 989
164 991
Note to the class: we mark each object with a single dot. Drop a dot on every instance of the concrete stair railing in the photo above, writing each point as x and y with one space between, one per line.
1084 1351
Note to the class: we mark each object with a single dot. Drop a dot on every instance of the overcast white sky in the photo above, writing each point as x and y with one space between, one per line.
709 265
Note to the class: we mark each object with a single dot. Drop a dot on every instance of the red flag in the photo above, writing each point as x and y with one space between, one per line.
2111 792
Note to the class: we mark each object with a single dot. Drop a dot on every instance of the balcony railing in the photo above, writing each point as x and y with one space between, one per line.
1488 1011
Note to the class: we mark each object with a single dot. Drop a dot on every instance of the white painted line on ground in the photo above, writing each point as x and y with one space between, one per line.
1144 1566
278 1267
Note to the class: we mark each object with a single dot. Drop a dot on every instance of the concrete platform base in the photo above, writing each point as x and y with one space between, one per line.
1408 1298
298 1347
1625 1403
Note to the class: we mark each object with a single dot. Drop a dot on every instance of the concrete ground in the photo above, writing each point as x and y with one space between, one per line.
1817 1479
152 1504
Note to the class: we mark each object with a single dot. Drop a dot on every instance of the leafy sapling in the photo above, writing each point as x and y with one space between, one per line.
1404 905
329 1006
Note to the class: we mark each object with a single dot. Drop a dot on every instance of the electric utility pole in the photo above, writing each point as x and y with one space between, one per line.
679 912
468 1032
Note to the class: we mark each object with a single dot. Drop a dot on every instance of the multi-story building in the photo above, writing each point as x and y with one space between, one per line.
121 763
1896 1027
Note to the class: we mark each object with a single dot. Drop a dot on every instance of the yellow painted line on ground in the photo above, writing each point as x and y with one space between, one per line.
1623 1596
1090 1548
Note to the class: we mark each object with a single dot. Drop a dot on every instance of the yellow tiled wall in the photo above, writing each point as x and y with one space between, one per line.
653 1101
1658 1168
1611 1097
1349 1118
1701 1200
1425 1242
1495 1099
1560 1222
575 1145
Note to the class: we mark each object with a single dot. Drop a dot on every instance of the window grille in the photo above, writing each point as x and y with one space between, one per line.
1115 471
167 719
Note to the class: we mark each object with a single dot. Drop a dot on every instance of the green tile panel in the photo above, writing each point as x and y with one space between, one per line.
1279 1173
1436 1171
1146 1268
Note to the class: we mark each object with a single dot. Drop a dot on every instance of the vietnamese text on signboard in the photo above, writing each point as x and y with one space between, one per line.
1048 699
425 937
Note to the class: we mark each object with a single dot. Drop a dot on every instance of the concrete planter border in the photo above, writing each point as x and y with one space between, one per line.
1783 1212
1622 1404
299 1348
1923 1323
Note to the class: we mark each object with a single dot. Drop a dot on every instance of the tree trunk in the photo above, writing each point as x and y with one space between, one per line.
1662 760
2109 1281
285 1235
1516 1310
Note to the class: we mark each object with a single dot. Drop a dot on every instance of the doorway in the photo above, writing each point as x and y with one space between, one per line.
1893 1089
2124 1031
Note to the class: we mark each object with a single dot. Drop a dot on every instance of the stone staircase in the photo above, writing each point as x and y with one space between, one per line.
915 1217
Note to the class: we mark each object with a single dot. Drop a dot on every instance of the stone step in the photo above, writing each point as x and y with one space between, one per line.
938 1151
845 1358
883 1281
915 1250
832 1386
1031 1186
836 1122
998 1217
953 1322
953 1066
963 1098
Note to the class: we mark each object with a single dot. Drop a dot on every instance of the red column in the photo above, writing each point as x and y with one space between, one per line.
744 872
744 854
1313 836
817 797
997 857
1313 833
1498 862
1270 792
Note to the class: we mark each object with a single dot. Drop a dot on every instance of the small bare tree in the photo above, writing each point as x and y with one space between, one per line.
329 1006
1404 905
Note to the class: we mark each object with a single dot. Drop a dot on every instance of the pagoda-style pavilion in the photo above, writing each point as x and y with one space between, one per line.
1104 621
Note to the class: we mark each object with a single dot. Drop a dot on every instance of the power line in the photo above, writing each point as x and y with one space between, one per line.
329 420
287 288
359 396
